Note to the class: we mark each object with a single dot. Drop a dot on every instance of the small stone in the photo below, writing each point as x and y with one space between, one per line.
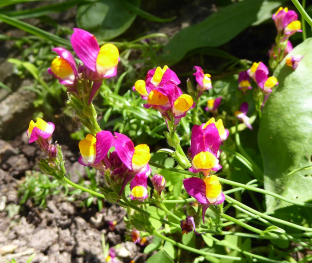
43 239
3 200
6 151
66 208
8 249
29 151
122 252
53 208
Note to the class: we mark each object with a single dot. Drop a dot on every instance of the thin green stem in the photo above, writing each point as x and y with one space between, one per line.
240 223
302 12
229 199
163 207
303 24
194 250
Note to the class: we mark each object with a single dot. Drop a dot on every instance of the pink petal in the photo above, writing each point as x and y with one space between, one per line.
217 102
104 141
289 17
170 77
196 188
81 161
125 149
220 199
86 47
205 207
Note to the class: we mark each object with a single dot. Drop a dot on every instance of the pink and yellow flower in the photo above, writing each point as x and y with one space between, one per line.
206 191
138 187
203 80
188 225
205 143
278 18
242 114
223 133
257 67
293 61
102 60
40 131
213 104
64 68
160 76
94 149
244 81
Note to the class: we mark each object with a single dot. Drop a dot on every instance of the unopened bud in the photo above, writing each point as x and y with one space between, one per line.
159 183
52 151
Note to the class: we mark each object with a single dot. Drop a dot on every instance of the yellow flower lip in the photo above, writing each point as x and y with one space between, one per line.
41 125
62 69
270 83
139 191
159 73
213 187
87 148
183 103
293 26
210 104
219 125
107 58
254 67
157 98
140 157
204 160
140 87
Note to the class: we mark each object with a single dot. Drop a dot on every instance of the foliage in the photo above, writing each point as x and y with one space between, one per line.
238 230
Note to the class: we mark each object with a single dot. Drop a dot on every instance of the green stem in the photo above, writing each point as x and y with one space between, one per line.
194 250
302 12
163 207
195 119
83 188
303 24
229 199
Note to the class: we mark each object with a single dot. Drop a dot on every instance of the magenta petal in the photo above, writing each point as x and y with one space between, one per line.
243 75
244 108
289 17
95 87
211 139
65 54
104 141
220 199
205 207
111 73
170 77
261 77
196 188
34 135
139 179
217 102
86 47
197 145
125 149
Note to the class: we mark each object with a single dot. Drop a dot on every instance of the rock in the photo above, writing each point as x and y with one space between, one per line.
43 239
8 249
3 200
97 221
80 223
66 208
6 151
113 238
16 112
53 208
29 151
18 164
76 171
60 257
122 252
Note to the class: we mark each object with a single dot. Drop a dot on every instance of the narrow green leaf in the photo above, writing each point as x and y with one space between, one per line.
144 14
44 10
34 30
30 258
161 256
13 2
2 85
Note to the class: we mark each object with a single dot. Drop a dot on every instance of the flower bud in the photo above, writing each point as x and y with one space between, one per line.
159 183
52 151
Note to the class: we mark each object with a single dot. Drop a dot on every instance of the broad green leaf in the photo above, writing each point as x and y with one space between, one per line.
214 31
189 239
161 256
106 19
144 14
285 133
267 9
170 250
153 246
207 240
34 30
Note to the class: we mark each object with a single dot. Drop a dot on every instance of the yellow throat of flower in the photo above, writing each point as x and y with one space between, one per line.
87 146
254 67
294 26
139 191
219 125
41 125
61 68
157 98
213 186
270 83
210 104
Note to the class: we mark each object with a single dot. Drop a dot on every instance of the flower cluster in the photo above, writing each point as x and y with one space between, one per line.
287 24
162 93
123 165
98 64
204 153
